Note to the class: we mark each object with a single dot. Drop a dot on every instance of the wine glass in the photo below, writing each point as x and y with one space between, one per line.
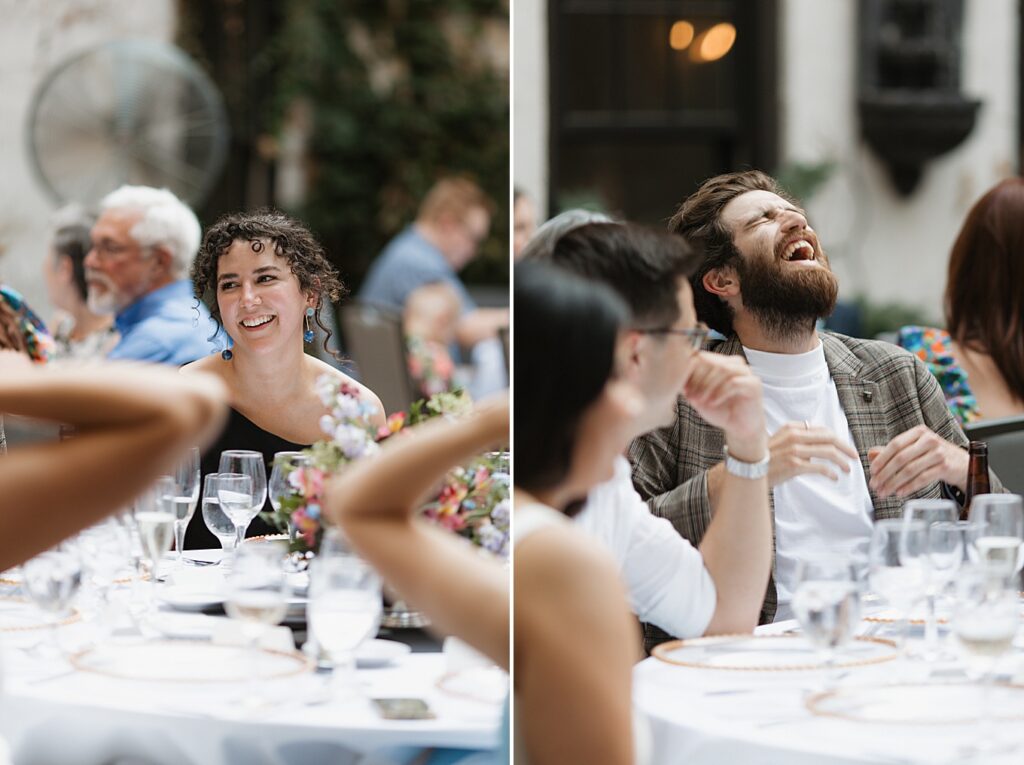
248 463
154 517
284 464
235 495
345 602
185 497
900 584
997 545
216 520
51 580
985 616
826 603
106 550
257 596
931 511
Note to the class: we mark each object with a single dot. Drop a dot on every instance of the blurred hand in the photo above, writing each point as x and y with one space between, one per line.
724 391
794 447
915 459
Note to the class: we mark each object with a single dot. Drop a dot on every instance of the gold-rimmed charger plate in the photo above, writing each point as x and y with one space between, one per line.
187 661
21 615
770 653
266 538
917 703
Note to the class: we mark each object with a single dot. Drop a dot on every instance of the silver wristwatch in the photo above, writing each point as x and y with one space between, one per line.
741 469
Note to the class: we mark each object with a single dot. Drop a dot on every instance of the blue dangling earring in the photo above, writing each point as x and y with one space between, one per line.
226 354
308 334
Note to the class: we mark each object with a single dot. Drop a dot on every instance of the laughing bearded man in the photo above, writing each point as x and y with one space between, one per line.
856 427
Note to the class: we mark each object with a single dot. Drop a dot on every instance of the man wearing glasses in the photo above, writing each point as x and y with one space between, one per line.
142 247
857 426
686 591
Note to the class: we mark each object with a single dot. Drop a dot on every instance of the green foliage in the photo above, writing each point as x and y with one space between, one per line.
401 95
889 317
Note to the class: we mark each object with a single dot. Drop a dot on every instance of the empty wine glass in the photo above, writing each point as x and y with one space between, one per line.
997 545
216 520
931 511
901 585
185 497
257 596
280 488
51 580
826 603
251 464
985 616
344 603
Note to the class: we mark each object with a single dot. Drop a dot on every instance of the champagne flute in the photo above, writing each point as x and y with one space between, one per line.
154 516
216 520
931 511
985 616
345 603
257 592
186 496
997 545
901 584
826 603
251 464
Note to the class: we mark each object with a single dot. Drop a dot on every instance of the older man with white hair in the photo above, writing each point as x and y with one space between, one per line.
142 247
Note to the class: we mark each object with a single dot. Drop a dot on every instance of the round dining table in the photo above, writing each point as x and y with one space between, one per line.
724 702
183 695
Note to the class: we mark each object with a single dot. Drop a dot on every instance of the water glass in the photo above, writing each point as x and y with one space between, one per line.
931 511
216 520
185 497
235 495
826 602
51 581
901 585
251 464
284 464
997 545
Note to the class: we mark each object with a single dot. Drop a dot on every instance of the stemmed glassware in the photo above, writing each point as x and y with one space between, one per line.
216 520
930 512
155 518
280 488
257 596
184 498
826 603
51 580
249 464
345 602
985 616
997 544
900 584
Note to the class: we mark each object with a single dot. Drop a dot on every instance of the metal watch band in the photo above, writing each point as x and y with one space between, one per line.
741 469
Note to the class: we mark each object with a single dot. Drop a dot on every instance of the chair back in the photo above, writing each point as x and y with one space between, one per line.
1005 439
503 334
373 335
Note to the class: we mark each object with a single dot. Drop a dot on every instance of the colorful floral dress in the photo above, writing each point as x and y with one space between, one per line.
38 341
934 347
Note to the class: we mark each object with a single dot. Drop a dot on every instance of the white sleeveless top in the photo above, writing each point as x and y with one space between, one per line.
528 520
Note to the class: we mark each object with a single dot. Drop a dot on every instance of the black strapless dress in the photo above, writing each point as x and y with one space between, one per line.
240 433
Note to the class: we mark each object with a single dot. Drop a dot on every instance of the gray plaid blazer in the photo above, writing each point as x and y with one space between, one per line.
884 391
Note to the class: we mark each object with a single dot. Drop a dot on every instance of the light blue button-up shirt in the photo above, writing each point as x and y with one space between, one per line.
165 326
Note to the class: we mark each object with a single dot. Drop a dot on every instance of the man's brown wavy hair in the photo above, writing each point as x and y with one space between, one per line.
290 239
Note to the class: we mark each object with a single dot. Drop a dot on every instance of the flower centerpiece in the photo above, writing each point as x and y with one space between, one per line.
473 500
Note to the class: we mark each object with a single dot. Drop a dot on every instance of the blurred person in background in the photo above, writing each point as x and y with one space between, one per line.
575 640
543 241
78 332
429 322
131 424
265 280
524 221
979 358
137 270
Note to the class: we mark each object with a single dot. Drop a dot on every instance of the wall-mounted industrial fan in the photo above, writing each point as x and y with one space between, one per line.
128 111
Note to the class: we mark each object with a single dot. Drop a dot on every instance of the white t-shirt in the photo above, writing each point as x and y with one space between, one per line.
663 573
812 512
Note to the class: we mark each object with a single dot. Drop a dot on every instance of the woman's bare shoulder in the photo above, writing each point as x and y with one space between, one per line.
212 364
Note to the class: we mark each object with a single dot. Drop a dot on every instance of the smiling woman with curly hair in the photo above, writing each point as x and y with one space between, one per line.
265 278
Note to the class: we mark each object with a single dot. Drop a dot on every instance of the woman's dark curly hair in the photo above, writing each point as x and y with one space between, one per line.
291 240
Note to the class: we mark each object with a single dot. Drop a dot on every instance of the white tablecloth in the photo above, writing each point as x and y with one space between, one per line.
700 716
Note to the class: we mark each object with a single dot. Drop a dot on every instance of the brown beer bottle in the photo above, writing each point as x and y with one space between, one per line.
977 475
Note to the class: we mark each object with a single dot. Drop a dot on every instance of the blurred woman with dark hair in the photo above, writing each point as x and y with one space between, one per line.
78 332
979 359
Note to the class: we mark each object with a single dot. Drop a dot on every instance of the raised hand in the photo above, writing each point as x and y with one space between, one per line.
796 446
915 459
724 391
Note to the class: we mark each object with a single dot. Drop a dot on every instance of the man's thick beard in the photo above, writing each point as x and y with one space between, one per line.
786 304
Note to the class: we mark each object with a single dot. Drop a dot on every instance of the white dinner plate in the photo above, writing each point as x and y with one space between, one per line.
182 599
380 653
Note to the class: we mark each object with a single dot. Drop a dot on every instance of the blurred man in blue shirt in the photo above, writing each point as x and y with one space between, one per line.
142 247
